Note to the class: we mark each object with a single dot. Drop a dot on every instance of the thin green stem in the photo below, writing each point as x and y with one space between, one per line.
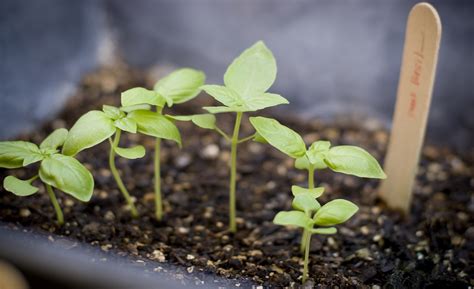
233 172
310 186
247 138
116 175
158 203
54 201
306 258
227 138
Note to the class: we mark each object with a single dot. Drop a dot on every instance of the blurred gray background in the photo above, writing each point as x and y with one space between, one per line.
333 56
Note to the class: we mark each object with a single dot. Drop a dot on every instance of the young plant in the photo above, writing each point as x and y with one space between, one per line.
96 126
178 87
56 170
246 81
345 159
308 213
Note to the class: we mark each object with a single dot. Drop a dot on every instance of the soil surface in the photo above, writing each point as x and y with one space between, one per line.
434 248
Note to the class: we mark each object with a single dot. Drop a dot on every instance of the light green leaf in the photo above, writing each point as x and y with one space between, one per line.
355 161
112 112
131 108
302 163
68 175
264 100
335 212
293 218
324 231
140 95
259 138
131 153
155 124
224 95
13 153
181 85
281 137
253 72
90 129
314 193
206 121
221 109
55 139
305 203
317 152
31 159
19 187
126 124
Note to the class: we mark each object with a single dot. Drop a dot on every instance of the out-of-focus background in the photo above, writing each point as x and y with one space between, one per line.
334 57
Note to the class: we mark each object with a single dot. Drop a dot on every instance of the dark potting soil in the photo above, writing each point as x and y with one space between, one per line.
433 248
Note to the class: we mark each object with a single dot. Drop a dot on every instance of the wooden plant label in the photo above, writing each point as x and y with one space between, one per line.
420 55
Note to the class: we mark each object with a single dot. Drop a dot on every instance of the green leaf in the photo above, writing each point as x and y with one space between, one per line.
302 163
19 187
281 137
131 108
305 203
259 138
253 72
224 95
90 129
13 153
221 109
335 212
68 175
31 159
155 124
181 85
206 121
355 161
317 152
126 124
131 153
324 231
140 95
293 218
112 112
55 139
263 101
314 193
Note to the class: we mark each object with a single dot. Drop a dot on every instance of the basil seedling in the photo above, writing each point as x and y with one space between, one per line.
345 159
56 170
96 126
246 81
308 213
178 87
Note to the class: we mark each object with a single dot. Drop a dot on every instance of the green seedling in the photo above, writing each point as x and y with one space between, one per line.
56 170
345 159
246 81
178 87
96 126
308 213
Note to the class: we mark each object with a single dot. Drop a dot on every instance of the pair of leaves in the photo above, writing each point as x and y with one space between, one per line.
96 126
333 213
206 121
177 87
60 171
350 160
305 199
246 81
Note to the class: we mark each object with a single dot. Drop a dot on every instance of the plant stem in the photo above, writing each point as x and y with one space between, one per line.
221 132
306 257
158 203
116 175
233 172
247 138
310 186
54 201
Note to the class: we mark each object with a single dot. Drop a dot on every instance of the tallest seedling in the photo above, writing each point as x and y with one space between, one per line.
246 81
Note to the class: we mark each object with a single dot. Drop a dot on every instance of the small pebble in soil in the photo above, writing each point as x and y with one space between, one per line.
210 152
25 213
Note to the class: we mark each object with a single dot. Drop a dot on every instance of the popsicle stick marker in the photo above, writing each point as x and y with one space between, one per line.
415 87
